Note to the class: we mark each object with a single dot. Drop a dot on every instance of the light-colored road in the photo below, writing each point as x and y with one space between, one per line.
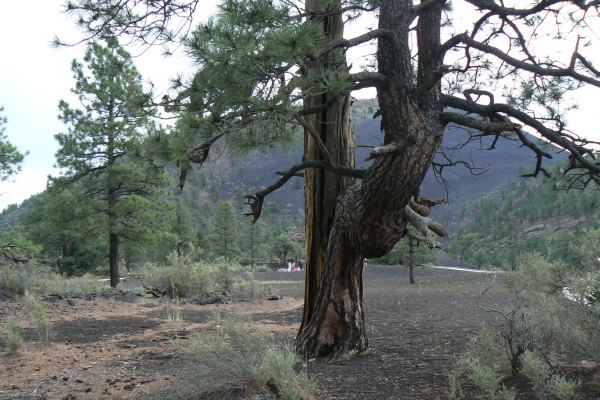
466 269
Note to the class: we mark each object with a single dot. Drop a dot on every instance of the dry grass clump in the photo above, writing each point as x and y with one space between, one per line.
42 322
228 358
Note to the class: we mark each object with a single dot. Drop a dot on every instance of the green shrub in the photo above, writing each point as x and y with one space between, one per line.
536 370
173 309
228 353
86 284
17 280
184 276
12 333
562 388
483 366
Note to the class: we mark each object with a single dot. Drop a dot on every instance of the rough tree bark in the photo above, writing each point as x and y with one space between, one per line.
322 188
113 240
369 218
111 194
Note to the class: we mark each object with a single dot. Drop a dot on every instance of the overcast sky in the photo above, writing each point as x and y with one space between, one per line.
34 77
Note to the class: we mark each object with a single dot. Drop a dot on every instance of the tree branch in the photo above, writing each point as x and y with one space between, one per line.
425 5
388 148
346 43
533 68
256 202
552 136
485 126
374 77
427 226
523 12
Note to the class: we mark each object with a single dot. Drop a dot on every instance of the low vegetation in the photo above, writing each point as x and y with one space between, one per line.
552 306
42 322
12 333
188 276
229 356
32 277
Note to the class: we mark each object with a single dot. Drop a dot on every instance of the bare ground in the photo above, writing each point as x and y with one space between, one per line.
124 347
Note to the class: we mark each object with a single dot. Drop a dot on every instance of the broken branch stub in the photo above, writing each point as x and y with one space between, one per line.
427 226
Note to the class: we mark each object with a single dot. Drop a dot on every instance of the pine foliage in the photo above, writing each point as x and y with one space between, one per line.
10 156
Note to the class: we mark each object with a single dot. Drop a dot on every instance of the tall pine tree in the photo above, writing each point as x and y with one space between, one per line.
101 146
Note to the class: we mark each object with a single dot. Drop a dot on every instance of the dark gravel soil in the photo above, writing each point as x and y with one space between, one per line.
122 346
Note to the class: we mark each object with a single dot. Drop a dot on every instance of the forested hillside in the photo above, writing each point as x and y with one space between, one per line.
526 216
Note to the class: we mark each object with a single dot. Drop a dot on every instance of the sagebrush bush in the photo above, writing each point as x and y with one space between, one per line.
12 333
228 352
34 278
86 284
18 280
483 366
549 307
186 276
560 299
545 383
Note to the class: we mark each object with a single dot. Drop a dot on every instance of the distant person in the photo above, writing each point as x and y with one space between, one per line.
366 263
293 266
289 268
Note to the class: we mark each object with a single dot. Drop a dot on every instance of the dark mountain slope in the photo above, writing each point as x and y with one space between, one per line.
233 178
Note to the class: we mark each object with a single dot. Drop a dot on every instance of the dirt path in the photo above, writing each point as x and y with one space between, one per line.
123 347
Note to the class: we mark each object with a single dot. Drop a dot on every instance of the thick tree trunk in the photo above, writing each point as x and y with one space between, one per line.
369 217
337 326
114 259
112 198
113 238
322 188
65 252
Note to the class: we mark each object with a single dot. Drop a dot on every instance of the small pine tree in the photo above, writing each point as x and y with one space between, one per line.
225 234
215 195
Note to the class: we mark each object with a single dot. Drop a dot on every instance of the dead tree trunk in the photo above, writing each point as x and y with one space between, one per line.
322 188
369 217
